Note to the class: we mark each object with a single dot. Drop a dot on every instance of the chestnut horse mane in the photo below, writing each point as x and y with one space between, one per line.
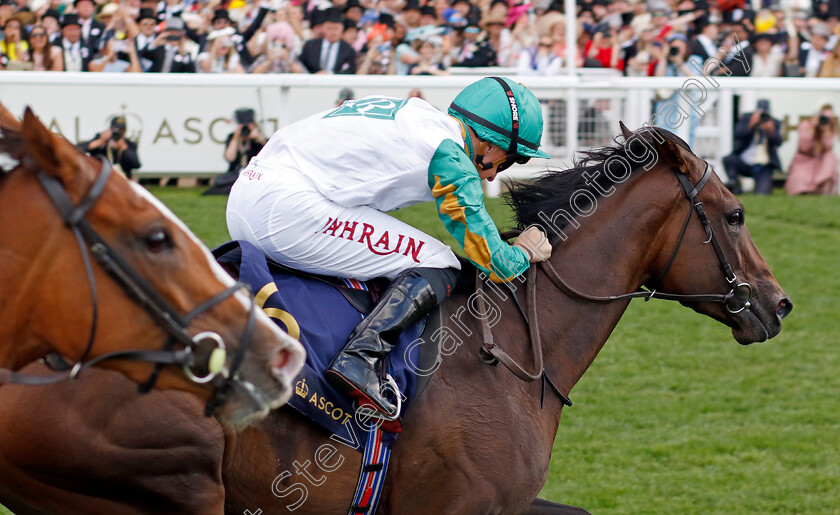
554 189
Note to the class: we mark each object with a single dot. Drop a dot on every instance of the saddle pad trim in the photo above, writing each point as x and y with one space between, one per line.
372 474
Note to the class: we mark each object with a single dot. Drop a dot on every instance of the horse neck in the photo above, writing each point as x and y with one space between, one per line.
612 252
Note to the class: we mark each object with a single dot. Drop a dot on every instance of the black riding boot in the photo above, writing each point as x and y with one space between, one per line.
354 370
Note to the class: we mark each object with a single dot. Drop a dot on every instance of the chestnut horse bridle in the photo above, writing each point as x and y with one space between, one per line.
223 379
492 354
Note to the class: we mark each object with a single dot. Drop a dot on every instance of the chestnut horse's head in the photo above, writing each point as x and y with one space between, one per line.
87 252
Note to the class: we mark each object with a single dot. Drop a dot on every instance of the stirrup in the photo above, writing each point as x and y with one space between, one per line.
371 412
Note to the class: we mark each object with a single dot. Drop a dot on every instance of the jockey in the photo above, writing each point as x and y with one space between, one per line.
315 199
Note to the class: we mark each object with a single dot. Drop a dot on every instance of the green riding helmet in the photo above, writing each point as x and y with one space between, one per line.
489 107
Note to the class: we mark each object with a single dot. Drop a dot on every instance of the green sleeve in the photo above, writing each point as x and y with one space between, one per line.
456 187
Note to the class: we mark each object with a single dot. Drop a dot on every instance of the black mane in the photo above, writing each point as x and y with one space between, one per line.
552 192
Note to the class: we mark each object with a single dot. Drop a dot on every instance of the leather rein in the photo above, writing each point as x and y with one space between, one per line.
492 354
221 376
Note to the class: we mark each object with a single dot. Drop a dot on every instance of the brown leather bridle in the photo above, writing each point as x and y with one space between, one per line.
492 354
222 377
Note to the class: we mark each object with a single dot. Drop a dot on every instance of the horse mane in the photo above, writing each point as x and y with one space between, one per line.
553 190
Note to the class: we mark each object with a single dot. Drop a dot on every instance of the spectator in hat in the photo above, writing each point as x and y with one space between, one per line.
147 26
43 55
540 59
76 54
51 20
329 54
735 51
379 57
117 56
474 51
755 153
92 29
430 54
767 56
169 53
705 43
353 11
499 37
221 21
113 145
428 15
221 55
410 15
13 47
353 36
277 51
812 53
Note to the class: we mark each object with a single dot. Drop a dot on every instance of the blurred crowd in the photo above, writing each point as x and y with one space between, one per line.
764 38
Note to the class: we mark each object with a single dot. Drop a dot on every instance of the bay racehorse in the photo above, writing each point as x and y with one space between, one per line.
96 269
646 212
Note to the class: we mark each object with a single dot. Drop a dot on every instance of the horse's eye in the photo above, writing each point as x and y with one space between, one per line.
158 240
736 217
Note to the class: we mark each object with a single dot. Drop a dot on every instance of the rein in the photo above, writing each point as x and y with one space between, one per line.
139 291
493 354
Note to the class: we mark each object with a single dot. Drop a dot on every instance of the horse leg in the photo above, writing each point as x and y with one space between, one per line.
543 507
98 447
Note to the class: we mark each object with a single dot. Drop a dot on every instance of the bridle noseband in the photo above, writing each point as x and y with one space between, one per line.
222 377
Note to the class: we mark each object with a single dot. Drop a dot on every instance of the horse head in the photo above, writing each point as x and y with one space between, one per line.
150 281
710 250
649 212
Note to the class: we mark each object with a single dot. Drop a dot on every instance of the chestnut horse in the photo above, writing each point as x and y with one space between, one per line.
97 270
479 439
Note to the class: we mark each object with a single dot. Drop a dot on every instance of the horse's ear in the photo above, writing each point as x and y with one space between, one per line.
7 119
672 153
49 152
624 130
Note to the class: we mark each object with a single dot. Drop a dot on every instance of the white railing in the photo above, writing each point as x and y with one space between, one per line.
181 121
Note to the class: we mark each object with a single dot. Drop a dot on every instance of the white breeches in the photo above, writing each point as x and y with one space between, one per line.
296 225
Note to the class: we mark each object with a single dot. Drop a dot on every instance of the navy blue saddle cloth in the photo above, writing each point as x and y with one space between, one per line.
321 312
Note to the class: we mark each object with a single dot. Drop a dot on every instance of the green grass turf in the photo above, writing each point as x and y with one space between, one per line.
674 417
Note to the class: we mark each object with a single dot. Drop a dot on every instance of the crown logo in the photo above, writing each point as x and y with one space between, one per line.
301 388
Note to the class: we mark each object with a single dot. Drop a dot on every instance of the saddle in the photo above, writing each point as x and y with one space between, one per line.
321 312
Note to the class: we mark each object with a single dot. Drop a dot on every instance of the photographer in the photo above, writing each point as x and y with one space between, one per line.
113 145
674 59
241 145
814 168
755 153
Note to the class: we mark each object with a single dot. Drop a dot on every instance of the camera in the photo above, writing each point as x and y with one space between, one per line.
824 120
673 52
245 131
173 38
116 134
764 117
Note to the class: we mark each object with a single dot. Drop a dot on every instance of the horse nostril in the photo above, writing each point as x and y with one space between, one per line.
784 308
280 365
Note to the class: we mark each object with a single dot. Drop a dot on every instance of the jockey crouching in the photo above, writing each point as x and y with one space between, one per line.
315 199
